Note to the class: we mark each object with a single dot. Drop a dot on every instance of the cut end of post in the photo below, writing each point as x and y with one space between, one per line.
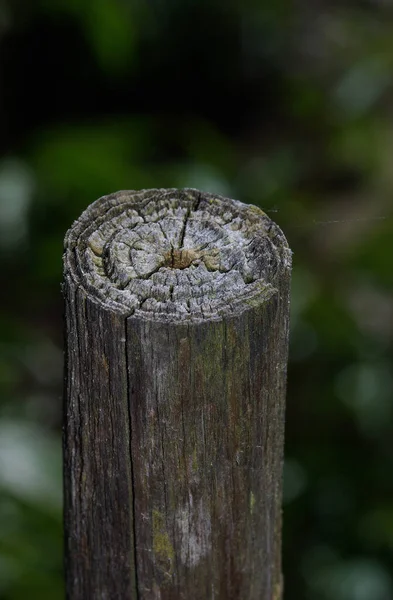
169 255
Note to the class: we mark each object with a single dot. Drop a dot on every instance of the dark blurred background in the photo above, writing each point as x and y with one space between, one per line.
288 105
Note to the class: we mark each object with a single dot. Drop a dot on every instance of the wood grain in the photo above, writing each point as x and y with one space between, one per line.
177 308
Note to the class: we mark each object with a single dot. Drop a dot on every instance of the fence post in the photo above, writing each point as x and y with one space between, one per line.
177 306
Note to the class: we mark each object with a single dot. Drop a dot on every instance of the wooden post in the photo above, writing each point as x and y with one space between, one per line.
177 306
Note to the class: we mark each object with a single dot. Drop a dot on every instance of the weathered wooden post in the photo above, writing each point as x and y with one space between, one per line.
177 308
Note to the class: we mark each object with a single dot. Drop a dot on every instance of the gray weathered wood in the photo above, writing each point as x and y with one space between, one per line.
177 307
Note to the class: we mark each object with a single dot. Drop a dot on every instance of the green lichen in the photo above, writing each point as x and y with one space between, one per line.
162 547
255 209
277 592
252 502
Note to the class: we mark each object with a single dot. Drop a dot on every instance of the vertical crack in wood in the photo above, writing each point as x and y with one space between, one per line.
183 231
198 201
133 510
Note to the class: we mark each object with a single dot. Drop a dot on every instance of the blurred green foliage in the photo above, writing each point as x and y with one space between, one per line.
284 105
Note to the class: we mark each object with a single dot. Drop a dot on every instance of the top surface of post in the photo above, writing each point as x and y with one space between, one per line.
175 255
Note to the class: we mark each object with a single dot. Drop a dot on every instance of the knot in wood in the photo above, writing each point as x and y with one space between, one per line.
175 254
